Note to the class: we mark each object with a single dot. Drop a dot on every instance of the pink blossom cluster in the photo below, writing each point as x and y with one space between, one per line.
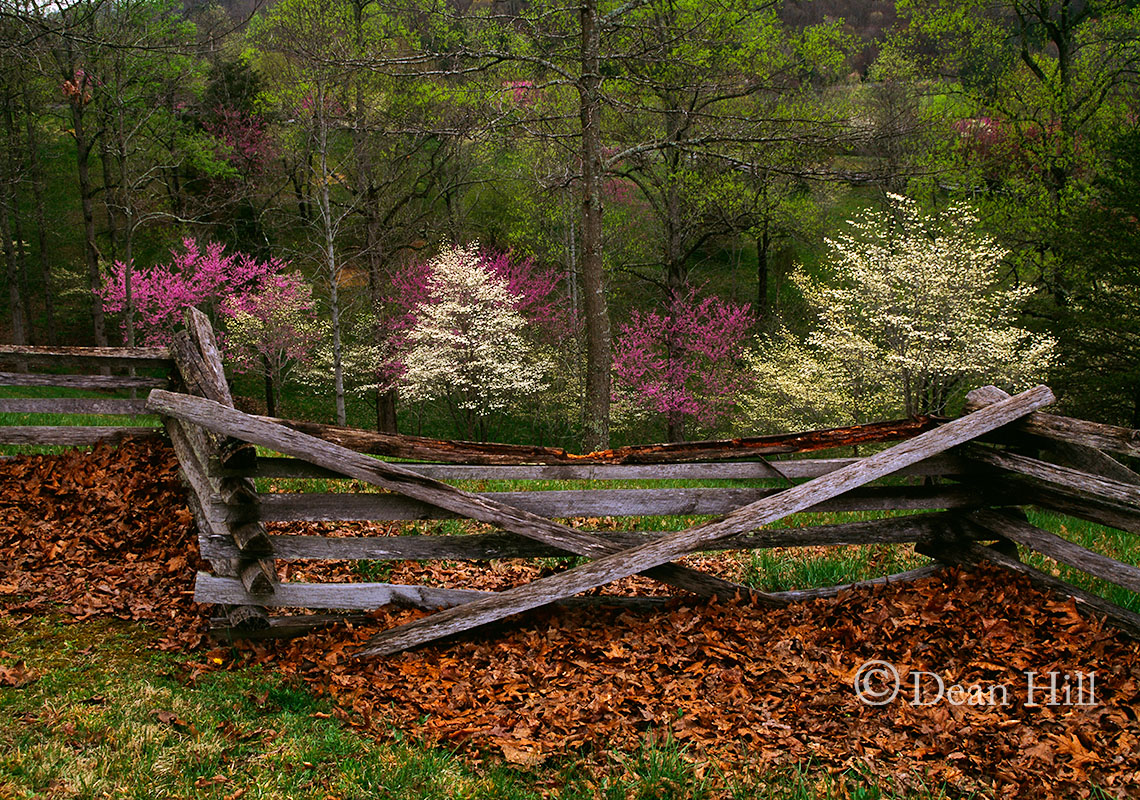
245 140
272 326
522 92
160 294
683 362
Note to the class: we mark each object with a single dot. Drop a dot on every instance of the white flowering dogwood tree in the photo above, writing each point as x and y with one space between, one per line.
912 314
467 344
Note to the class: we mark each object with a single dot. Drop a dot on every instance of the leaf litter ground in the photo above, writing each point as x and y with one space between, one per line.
744 688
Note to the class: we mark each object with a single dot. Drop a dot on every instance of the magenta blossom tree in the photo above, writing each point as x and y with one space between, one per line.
272 330
154 299
684 361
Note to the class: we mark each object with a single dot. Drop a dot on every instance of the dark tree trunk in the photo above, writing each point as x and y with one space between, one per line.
598 355
386 411
270 392
87 200
15 302
36 176
763 264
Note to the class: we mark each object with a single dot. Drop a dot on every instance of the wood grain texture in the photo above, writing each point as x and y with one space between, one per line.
81 381
209 514
1112 438
490 546
368 596
120 406
73 435
1052 545
1065 477
202 335
245 427
88 356
1102 512
770 509
286 507
720 470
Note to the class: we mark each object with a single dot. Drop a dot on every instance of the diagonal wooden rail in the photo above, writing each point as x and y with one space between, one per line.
224 420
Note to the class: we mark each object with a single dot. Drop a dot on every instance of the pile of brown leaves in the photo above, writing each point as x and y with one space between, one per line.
101 533
741 686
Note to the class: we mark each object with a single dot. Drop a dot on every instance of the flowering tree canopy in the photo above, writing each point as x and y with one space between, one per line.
193 277
913 314
684 362
466 341
272 330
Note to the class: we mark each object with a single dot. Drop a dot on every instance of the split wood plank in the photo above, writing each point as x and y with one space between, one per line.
273 467
563 503
88 356
368 596
425 449
73 435
1102 512
82 381
120 406
1066 477
211 374
629 562
342 596
974 554
1077 456
202 334
1054 546
245 427
491 546
1113 438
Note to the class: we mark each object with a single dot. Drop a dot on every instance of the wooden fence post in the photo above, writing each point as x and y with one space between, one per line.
226 508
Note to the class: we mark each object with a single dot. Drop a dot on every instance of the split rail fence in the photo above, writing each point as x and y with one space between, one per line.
966 483
87 371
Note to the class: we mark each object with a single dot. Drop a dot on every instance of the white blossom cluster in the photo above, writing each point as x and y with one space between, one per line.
467 344
912 315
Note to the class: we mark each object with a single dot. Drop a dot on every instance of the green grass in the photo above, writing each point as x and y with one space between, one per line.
1121 545
80 420
107 716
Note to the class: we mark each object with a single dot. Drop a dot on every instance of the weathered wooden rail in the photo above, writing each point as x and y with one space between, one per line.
81 363
955 489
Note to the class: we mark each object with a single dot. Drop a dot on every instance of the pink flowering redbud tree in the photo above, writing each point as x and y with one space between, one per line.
271 331
683 361
154 299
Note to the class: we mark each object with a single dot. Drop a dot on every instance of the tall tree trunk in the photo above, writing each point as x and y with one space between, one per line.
763 250
270 389
386 411
87 200
36 175
325 202
15 302
598 346
15 234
